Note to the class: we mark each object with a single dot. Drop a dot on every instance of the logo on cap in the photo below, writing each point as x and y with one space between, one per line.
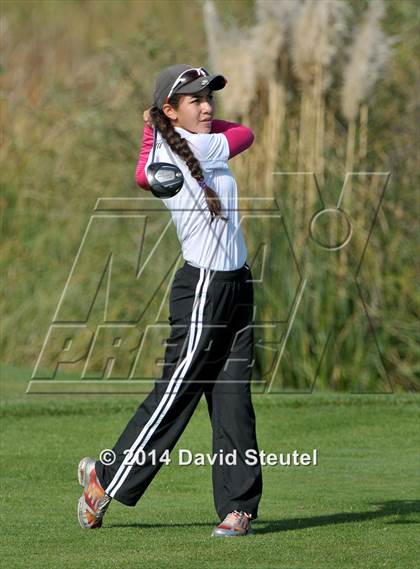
204 81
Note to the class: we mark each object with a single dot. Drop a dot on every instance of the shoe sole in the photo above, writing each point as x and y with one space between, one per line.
229 533
83 481
80 514
80 507
81 472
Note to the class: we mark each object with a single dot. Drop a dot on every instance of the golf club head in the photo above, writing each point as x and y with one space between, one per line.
165 180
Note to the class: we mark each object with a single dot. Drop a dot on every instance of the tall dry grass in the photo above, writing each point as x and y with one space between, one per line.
76 77
368 56
314 64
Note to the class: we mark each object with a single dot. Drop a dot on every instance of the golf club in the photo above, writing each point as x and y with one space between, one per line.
165 180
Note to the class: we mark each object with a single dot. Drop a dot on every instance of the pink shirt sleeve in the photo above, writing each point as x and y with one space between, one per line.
239 138
146 147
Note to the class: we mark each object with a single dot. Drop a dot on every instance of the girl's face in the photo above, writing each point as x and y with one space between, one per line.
194 112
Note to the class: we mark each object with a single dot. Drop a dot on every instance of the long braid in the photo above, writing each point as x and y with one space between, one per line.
180 146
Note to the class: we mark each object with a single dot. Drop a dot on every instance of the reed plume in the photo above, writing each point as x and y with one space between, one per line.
270 38
367 59
271 33
318 32
368 55
229 52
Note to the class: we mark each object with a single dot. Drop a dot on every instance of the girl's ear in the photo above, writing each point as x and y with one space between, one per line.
169 111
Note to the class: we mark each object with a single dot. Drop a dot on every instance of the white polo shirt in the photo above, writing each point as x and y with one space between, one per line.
219 246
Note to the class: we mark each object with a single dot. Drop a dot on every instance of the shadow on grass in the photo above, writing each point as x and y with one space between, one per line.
384 509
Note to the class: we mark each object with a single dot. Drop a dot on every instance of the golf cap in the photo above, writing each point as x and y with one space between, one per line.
166 79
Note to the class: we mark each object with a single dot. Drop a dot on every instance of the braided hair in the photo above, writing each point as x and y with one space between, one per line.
180 146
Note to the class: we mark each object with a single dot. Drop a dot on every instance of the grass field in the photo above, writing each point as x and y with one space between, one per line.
359 508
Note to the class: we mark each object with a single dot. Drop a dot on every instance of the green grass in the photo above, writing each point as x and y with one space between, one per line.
358 508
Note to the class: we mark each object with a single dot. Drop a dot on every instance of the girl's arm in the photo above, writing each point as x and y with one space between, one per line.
239 137
146 147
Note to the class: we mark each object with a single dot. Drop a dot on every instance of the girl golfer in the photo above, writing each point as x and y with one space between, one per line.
210 349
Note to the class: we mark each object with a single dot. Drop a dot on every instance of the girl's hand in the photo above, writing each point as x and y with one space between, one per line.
146 117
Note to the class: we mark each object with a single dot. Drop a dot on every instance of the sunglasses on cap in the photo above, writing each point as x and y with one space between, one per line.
186 77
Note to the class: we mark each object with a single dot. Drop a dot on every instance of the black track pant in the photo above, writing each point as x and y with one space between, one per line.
210 351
